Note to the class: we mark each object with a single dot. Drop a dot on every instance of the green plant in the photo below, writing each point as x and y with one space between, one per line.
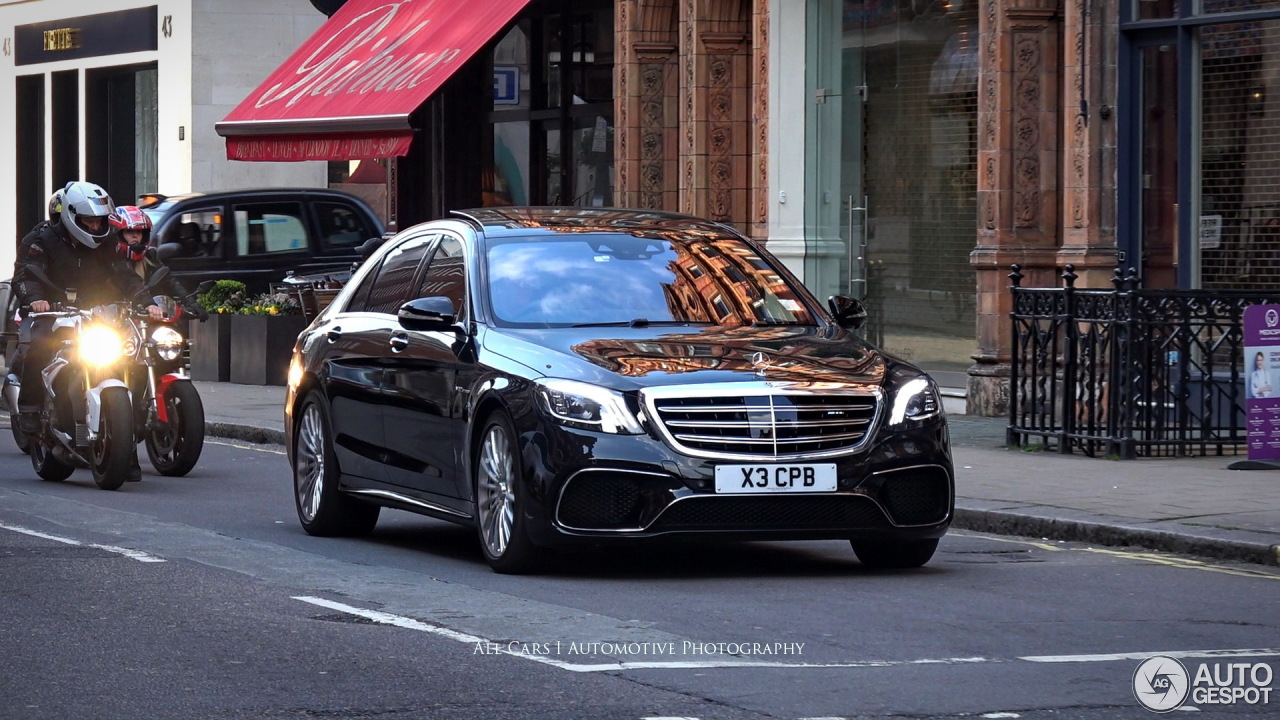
279 303
226 296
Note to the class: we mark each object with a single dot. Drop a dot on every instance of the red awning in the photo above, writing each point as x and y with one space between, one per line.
347 93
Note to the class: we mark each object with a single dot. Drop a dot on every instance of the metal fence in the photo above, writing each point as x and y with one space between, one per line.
1125 372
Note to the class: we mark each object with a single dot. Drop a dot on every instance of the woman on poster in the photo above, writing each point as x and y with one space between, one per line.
1259 379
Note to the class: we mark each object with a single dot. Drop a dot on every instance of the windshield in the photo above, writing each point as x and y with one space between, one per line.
608 279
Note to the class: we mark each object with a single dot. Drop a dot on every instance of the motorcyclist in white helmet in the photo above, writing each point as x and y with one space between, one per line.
78 251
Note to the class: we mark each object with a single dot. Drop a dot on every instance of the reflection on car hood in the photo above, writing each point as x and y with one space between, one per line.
638 357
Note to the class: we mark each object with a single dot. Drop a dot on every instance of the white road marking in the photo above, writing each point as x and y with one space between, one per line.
493 647
1244 652
995 715
127 552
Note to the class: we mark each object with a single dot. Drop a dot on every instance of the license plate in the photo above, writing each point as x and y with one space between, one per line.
820 477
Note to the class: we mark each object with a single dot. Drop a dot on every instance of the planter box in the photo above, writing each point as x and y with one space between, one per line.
261 346
211 348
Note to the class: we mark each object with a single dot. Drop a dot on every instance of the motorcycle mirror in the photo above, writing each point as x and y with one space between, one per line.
204 287
159 276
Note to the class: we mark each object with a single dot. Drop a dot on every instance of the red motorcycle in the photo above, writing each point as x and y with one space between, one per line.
168 413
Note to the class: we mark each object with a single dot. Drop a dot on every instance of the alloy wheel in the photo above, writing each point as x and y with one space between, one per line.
495 489
309 475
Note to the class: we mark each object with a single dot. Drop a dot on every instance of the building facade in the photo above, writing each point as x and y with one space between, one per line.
125 93
906 152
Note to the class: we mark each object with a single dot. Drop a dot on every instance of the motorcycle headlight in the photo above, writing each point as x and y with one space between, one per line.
589 407
168 342
100 346
916 399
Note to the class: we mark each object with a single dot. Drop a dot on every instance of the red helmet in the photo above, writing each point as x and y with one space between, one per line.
129 217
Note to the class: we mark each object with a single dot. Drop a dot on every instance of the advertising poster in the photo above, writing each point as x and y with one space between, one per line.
1262 380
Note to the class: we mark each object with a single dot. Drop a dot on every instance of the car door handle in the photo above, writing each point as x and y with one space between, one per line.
398 342
334 335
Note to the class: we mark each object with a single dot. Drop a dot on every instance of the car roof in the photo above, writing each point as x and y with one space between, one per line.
520 220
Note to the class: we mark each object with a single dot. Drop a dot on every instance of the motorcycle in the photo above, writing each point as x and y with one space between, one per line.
88 418
169 419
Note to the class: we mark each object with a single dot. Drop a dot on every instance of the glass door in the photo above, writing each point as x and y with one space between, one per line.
836 211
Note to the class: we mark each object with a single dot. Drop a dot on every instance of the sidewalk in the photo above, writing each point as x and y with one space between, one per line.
1185 505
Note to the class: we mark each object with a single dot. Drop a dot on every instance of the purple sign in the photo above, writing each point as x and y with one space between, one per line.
1262 380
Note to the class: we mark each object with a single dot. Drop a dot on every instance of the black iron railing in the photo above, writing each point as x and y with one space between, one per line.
1125 372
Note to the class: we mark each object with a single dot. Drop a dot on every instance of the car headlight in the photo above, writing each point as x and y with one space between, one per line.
100 346
589 407
916 399
168 342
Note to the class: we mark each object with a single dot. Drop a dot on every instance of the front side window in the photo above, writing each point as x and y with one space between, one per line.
341 227
391 288
606 279
446 276
198 232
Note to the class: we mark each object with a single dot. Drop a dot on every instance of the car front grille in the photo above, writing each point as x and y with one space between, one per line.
771 513
770 424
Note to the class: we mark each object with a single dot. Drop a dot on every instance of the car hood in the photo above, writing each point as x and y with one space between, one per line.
632 358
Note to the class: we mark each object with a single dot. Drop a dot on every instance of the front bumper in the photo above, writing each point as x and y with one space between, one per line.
595 485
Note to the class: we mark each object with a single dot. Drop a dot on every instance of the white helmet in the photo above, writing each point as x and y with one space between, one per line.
81 200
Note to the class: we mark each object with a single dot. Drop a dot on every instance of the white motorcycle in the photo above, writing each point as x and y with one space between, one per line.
87 419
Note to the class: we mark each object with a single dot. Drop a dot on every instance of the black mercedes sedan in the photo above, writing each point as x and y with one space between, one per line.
552 375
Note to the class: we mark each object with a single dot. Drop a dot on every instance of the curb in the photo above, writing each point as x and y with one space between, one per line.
247 433
1006 523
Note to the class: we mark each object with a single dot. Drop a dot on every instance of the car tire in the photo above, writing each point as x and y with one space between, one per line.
894 554
499 493
323 509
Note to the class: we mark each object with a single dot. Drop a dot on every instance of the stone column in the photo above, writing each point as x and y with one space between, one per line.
1018 177
715 120
646 105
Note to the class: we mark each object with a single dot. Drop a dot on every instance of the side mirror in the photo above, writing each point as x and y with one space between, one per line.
848 312
168 251
429 314
158 277
368 246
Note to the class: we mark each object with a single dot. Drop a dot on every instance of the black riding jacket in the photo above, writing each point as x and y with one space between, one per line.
99 275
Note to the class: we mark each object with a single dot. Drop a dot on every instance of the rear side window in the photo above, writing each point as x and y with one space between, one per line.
341 226
268 228
394 279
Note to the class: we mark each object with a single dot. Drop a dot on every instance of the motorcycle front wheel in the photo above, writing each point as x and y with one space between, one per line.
112 451
175 449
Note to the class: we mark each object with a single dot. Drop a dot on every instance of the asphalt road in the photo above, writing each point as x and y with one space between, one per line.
200 597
